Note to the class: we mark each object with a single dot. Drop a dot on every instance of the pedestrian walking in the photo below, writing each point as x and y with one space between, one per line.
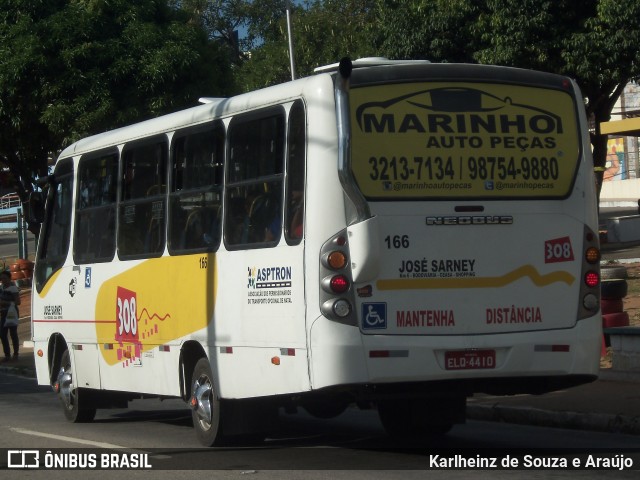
9 315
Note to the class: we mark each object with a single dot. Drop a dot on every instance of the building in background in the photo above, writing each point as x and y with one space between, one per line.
622 155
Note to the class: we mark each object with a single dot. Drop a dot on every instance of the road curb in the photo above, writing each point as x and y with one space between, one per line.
599 422
612 375
21 370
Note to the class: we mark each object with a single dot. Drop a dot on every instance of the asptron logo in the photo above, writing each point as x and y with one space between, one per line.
470 220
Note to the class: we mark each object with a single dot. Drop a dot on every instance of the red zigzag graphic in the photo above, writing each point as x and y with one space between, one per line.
151 317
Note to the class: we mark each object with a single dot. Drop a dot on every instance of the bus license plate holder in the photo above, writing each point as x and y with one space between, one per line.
469 359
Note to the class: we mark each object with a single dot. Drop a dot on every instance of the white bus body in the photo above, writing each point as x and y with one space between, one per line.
449 246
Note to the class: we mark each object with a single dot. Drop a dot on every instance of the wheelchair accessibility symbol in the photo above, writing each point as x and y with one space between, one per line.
374 316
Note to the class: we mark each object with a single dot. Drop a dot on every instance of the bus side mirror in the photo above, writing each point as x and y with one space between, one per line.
35 208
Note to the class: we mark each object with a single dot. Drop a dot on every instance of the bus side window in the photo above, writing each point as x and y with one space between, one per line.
53 246
253 217
94 238
197 163
294 213
141 215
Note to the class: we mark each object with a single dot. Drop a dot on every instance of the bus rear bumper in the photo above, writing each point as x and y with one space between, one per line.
509 363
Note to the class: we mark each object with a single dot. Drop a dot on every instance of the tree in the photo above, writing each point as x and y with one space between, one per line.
597 42
73 68
323 33
252 31
222 20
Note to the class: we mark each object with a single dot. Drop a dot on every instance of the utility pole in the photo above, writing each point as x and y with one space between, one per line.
23 247
292 61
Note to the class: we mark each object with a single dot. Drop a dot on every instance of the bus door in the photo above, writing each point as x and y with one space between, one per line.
264 224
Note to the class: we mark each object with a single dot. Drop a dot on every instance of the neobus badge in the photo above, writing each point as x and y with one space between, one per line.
471 220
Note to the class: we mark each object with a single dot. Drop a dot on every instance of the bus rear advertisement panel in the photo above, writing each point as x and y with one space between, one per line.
475 140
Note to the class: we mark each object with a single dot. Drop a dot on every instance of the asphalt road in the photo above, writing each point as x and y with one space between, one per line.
9 245
31 418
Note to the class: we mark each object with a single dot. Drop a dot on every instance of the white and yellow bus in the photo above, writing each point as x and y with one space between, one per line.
394 234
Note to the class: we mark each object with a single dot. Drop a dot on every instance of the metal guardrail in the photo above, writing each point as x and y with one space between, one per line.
9 205
10 200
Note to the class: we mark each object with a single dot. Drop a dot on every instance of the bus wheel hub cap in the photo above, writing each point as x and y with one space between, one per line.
201 400
64 384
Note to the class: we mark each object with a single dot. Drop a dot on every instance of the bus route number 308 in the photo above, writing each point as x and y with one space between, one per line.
127 315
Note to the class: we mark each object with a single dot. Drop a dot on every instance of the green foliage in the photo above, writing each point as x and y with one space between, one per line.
597 42
73 68
332 29
69 68
221 19
323 33
436 30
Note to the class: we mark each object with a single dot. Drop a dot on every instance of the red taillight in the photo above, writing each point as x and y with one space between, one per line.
339 284
592 279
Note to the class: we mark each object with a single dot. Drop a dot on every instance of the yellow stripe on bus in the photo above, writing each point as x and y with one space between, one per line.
174 297
478 282
50 282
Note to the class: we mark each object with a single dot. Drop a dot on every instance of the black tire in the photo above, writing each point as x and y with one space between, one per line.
414 418
613 272
614 288
205 406
325 408
75 406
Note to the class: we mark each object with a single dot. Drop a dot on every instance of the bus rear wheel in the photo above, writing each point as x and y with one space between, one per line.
76 408
205 405
416 418
326 407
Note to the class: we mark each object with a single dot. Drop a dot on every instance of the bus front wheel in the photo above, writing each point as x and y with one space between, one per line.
205 405
76 408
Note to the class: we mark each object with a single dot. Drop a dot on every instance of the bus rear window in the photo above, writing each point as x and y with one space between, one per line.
463 140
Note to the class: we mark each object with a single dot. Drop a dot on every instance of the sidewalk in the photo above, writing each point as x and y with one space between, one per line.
610 404
24 364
